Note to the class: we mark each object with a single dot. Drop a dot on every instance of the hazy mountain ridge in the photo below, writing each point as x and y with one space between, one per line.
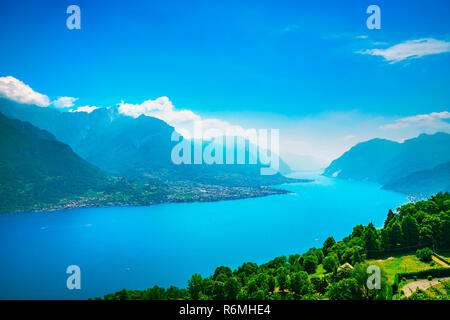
423 183
37 172
397 166
34 167
134 147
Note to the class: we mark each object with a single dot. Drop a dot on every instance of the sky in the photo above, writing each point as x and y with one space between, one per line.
311 69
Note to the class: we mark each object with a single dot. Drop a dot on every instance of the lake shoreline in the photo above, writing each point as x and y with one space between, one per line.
238 193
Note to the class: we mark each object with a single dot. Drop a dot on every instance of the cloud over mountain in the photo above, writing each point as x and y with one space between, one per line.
18 91
64 102
186 122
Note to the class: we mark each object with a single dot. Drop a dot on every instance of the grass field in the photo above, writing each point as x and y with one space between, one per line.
408 263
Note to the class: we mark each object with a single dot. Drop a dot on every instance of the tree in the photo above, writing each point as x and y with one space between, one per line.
389 218
330 263
299 284
231 288
347 256
277 262
310 263
426 236
195 286
293 259
395 234
282 278
358 231
445 231
222 270
123 294
246 270
371 242
433 222
410 229
346 289
271 282
319 254
385 243
329 242
319 284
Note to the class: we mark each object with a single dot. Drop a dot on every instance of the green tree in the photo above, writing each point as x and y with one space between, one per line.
195 286
371 241
410 229
329 242
319 284
299 284
231 288
271 282
282 278
310 263
330 263
445 230
385 242
226 271
395 234
389 218
346 289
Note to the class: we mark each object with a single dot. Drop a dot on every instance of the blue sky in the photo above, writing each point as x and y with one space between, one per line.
296 65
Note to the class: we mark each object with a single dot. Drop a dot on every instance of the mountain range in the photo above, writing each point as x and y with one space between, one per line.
135 147
55 160
417 166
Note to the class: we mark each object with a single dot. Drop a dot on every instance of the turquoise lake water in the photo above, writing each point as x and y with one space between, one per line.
139 247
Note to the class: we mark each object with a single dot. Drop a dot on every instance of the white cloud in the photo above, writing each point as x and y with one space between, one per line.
362 37
64 102
161 108
410 49
434 120
187 123
87 109
18 91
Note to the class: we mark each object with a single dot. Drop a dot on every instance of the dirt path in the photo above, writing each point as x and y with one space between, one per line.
422 284
442 263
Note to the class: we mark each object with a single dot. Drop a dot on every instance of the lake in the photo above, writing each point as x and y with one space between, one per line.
139 247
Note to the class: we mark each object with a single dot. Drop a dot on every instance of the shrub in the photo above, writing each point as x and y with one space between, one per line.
424 254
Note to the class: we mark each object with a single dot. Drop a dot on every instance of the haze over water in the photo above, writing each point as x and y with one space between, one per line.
139 247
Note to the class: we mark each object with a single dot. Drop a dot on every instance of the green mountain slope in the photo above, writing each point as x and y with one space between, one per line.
35 168
365 161
391 163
